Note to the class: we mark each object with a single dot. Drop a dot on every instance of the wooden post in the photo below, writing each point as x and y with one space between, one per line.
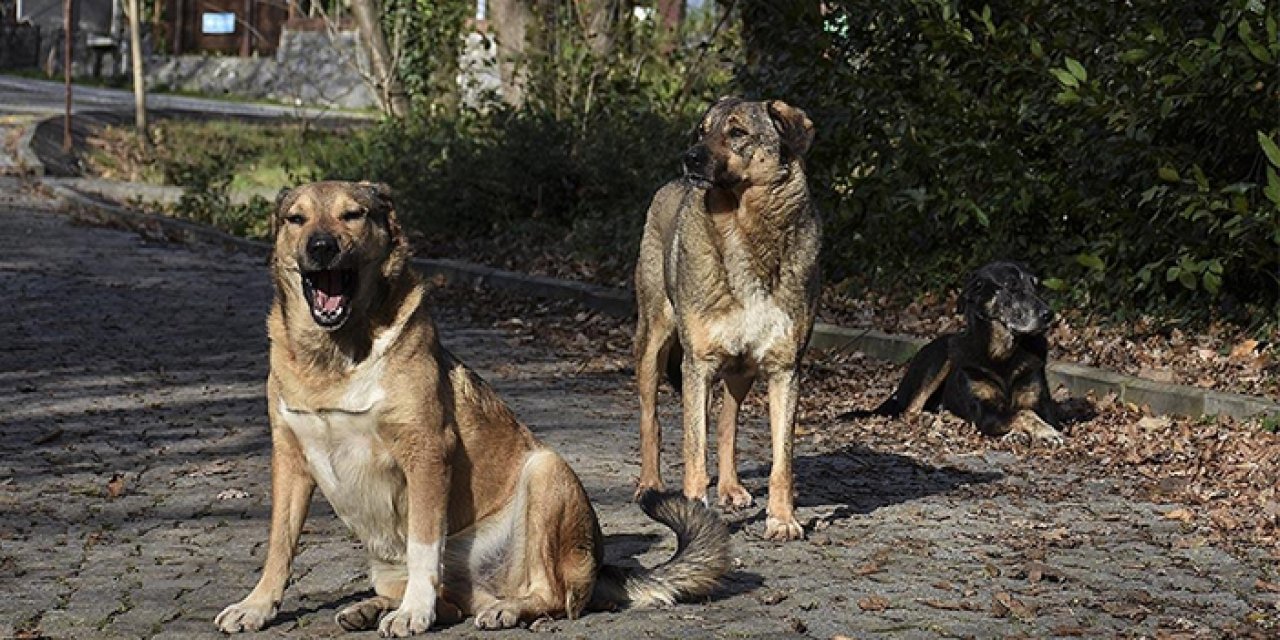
139 77
179 25
68 33
246 34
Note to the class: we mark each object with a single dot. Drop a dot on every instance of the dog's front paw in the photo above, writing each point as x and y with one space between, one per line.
407 621
1034 431
733 496
245 616
781 530
1048 436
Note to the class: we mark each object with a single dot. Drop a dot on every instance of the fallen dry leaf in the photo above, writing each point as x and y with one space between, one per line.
1003 605
1183 514
1243 350
868 568
945 605
1154 423
115 486
873 603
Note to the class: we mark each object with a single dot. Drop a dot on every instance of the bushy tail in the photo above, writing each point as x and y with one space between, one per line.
700 560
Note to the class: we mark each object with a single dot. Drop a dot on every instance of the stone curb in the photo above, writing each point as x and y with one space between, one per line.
26 154
1162 398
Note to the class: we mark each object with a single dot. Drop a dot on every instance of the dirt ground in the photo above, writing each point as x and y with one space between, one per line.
134 477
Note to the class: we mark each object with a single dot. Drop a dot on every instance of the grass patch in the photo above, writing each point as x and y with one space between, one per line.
271 155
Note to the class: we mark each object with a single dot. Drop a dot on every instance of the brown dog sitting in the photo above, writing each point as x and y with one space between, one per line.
727 289
461 509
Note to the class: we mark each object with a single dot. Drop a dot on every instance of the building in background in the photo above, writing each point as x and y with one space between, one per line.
232 27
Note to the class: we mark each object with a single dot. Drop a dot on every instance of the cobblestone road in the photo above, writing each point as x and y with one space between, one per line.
134 475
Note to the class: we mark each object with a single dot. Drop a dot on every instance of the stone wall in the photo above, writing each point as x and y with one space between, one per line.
310 68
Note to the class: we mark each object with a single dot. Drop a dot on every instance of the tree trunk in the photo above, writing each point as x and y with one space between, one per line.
511 20
391 93
600 17
671 14
139 74
68 34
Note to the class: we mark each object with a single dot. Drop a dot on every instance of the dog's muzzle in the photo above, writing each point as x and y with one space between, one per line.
329 293
327 287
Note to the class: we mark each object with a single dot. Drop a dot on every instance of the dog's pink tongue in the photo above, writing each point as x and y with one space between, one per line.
328 291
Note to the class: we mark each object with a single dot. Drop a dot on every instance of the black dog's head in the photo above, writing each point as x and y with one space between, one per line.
1005 292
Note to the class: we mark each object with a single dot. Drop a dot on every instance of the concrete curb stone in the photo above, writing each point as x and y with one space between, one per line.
26 155
1162 398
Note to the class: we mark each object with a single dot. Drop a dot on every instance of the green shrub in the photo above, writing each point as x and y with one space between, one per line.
1116 147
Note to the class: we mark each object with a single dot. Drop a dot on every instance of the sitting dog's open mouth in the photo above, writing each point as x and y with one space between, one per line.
329 293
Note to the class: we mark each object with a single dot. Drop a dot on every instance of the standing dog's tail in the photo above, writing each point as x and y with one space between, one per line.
675 358
700 560
893 407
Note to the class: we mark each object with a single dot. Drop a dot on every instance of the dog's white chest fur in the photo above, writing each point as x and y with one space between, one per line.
352 466
759 323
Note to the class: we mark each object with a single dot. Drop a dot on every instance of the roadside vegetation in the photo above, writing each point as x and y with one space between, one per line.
1128 154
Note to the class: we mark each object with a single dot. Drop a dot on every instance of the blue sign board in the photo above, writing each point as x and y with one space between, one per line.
217 23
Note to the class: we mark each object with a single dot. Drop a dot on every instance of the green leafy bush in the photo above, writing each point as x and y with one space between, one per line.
1124 150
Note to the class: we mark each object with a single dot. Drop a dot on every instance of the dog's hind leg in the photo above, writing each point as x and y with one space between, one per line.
389 581
553 572
730 490
655 338
698 375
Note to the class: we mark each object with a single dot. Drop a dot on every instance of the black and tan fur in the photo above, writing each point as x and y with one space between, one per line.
462 511
727 288
992 373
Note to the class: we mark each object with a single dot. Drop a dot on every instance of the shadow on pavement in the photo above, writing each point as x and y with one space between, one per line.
857 480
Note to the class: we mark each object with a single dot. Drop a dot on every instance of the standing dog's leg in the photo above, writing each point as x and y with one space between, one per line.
731 492
427 470
653 346
291 488
698 374
784 393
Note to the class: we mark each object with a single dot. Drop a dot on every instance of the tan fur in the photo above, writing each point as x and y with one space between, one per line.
460 508
728 272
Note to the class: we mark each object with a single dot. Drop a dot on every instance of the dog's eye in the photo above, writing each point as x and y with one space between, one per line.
737 132
352 216
295 219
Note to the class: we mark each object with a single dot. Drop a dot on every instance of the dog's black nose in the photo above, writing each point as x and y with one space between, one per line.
322 248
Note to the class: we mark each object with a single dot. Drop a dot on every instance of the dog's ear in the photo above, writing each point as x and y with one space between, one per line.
975 291
284 199
793 125
380 194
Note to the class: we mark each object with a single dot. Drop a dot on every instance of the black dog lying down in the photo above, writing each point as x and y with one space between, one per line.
992 374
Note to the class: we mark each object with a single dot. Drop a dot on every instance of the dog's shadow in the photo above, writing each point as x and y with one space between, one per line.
857 480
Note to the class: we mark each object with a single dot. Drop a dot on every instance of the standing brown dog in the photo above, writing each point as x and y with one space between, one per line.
727 287
461 509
